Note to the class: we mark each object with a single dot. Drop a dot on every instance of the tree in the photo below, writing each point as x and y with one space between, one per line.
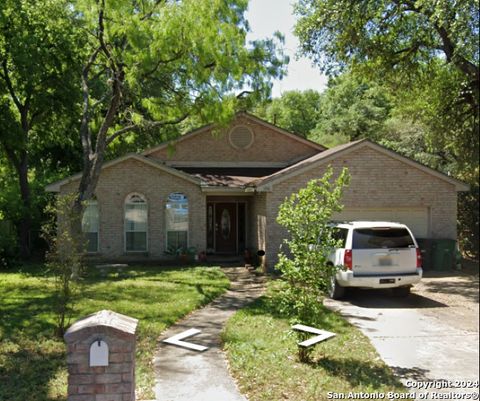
295 111
153 64
393 37
351 109
65 257
37 75
304 260
426 52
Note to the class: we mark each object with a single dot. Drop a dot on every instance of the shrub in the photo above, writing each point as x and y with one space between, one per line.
303 260
67 246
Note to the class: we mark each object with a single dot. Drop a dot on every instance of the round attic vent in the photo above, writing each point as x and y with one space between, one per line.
241 137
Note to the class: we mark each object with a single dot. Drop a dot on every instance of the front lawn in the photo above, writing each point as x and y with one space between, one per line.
33 362
262 354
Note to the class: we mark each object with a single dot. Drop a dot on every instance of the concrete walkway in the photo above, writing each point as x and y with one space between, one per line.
187 375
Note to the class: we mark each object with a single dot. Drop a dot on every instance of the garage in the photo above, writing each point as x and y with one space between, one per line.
417 219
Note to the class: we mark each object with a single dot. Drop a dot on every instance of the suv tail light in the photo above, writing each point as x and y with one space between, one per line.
347 259
419 257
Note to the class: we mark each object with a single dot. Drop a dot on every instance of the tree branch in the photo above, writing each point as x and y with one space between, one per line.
12 156
176 57
10 88
464 65
150 13
151 125
101 30
84 126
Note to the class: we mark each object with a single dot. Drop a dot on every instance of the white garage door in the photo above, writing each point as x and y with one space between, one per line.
417 219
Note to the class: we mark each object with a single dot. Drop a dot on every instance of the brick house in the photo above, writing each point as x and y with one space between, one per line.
220 192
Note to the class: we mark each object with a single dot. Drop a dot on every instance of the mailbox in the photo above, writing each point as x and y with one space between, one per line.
99 353
99 346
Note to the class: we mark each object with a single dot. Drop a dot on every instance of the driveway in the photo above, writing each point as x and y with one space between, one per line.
430 336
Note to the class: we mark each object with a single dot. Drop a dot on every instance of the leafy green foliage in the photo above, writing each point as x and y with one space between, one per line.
426 54
152 65
352 108
389 37
294 111
7 244
304 263
65 258
38 69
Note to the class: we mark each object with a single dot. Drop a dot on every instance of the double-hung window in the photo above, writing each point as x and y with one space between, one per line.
177 221
90 225
136 223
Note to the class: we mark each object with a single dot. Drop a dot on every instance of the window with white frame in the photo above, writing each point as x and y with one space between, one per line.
177 221
90 225
136 221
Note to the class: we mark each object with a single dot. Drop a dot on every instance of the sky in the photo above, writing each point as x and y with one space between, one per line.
267 16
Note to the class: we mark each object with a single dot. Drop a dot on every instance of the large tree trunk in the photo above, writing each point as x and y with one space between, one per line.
20 162
26 220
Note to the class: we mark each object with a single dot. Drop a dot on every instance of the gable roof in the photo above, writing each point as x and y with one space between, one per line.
246 115
332 153
55 187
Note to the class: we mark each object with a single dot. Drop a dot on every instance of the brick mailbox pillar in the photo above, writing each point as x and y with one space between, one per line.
101 358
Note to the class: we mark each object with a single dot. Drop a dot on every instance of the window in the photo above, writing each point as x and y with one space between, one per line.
376 238
177 221
90 225
136 219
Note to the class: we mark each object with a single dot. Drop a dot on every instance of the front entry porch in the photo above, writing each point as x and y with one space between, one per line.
226 225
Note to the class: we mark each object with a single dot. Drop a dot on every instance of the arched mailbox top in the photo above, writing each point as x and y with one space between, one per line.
99 353
124 326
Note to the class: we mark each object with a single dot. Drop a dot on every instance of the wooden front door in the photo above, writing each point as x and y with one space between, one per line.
226 227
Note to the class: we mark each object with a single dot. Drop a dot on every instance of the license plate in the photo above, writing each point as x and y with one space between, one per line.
387 281
385 261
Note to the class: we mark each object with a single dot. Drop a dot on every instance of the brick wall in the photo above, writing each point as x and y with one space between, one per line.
114 381
268 146
377 181
117 182
258 222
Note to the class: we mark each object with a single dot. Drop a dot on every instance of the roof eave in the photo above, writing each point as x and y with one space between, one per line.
56 186
265 184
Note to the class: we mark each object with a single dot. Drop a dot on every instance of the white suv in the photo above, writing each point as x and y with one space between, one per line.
375 255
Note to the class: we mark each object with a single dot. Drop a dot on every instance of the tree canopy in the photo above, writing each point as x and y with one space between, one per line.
425 54
38 69
81 81
391 36
295 111
153 64
425 51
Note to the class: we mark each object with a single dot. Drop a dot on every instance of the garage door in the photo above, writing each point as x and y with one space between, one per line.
417 219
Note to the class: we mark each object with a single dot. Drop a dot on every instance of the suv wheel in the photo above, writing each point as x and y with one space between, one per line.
401 292
336 291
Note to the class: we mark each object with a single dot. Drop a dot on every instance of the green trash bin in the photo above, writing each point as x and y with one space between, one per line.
425 245
443 254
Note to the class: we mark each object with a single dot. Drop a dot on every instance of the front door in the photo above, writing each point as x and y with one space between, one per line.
226 227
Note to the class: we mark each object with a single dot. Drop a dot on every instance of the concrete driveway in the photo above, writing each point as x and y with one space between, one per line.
430 336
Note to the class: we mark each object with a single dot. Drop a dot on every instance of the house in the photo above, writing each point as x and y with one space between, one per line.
220 192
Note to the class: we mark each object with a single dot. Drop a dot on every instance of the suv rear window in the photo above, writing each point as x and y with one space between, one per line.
371 238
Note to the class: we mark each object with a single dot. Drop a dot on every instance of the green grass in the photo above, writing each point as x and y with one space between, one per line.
262 354
33 361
